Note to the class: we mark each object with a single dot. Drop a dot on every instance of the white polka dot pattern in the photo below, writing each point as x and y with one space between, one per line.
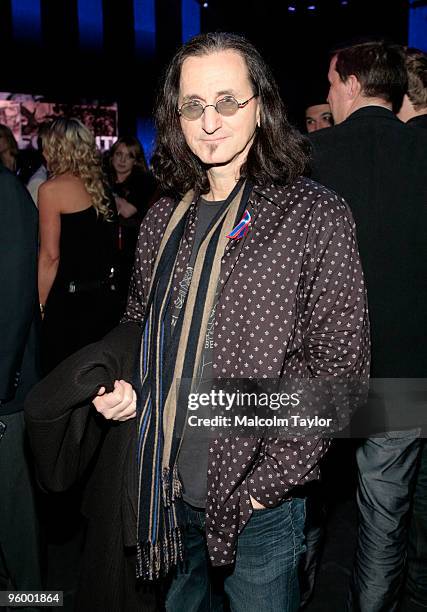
292 303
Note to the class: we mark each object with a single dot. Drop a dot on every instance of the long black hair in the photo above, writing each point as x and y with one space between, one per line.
279 152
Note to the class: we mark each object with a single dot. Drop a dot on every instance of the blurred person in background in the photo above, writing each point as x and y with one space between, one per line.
19 371
78 297
8 148
37 171
130 177
414 113
318 117
134 190
414 107
380 166
32 171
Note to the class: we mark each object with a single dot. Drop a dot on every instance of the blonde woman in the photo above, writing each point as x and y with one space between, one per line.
77 294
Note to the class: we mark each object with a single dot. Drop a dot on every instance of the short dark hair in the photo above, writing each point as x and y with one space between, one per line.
416 66
378 66
279 152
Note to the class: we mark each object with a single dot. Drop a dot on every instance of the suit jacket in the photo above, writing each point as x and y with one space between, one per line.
418 122
379 165
19 312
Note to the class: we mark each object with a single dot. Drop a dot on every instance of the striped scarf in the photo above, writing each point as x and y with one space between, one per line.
160 426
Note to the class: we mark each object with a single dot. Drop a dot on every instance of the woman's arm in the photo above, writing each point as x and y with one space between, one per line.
50 232
125 208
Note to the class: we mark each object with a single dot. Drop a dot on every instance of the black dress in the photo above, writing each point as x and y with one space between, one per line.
83 303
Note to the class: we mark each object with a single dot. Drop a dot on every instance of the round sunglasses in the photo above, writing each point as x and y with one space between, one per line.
226 106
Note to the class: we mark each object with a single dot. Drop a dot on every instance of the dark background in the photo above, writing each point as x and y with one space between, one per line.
296 45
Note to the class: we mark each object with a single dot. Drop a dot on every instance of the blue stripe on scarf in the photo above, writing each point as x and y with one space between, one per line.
156 496
145 349
143 428
162 337
160 443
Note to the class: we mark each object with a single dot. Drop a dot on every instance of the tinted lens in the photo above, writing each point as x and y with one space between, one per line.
192 110
227 106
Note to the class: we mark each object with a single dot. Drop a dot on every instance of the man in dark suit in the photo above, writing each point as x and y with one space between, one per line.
380 166
414 113
19 315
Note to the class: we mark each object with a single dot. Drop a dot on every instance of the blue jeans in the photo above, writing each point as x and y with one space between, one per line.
264 576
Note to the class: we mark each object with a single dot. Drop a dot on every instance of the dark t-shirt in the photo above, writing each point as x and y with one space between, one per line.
194 451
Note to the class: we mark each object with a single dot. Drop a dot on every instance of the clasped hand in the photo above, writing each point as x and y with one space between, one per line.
119 404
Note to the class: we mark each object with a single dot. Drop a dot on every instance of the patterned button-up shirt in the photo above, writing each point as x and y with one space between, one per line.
292 303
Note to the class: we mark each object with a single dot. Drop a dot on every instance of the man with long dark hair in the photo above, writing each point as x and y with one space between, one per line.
245 270
223 134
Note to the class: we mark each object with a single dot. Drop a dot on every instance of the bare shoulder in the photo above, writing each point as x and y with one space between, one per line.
66 192
47 197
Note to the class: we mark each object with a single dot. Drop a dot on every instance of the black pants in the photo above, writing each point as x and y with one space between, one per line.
387 468
417 552
19 545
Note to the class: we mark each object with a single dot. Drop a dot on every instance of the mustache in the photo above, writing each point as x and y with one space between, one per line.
225 163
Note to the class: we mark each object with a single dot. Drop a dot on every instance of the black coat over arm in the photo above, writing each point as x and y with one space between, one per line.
70 442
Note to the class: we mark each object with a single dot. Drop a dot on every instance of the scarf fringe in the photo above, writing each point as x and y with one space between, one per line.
160 513
153 561
172 488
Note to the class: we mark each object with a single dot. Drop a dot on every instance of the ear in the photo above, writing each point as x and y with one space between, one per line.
353 87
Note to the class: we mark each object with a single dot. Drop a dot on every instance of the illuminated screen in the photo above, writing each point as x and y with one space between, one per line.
24 113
